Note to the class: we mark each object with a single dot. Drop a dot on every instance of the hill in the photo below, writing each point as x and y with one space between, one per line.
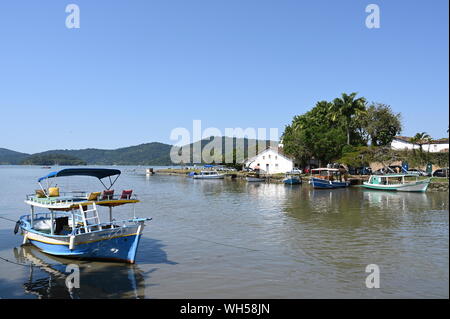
144 154
52 159
241 146
8 157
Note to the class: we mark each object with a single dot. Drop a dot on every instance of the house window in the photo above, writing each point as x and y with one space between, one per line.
276 165
276 157
264 157
269 156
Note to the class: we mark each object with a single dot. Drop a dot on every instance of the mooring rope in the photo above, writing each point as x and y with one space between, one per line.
14 221
222 244
214 242
16 263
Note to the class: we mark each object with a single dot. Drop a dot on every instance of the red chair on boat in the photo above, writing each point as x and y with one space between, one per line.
108 194
126 194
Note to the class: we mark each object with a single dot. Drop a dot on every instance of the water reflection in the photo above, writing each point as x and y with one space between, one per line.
399 201
97 280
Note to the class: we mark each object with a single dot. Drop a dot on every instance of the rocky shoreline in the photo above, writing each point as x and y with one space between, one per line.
438 187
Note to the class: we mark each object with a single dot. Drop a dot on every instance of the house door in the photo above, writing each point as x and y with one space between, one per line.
267 168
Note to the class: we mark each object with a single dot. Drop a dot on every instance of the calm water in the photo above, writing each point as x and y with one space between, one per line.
231 239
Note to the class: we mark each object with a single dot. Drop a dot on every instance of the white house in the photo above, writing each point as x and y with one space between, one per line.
404 142
270 161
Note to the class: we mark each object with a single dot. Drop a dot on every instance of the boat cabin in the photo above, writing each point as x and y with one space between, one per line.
55 198
330 174
209 173
392 179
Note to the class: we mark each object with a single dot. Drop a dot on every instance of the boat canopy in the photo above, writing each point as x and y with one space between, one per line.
95 172
100 173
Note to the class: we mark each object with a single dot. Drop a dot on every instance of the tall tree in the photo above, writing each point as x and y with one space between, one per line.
314 135
381 124
347 107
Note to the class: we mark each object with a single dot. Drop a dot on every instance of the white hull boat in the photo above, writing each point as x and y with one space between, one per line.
397 182
209 175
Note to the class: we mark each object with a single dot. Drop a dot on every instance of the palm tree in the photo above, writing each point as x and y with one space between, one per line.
347 107
421 139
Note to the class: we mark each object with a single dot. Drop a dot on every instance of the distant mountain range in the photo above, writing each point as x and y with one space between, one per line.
11 157
144 154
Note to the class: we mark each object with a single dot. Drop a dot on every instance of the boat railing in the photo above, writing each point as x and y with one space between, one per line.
60 200
46 215
106 225
79 227
118 197
65 199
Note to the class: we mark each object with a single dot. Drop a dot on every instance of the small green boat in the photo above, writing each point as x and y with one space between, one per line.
397 182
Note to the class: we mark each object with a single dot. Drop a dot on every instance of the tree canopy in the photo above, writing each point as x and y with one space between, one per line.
331 129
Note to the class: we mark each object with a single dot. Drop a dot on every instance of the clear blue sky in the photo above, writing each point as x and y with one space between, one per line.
137 69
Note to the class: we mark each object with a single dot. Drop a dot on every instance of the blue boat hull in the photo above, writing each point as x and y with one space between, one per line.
292 181
116 249
340 184
326 184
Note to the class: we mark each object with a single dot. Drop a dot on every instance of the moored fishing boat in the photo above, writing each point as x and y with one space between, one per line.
209 175
72 226
397 182
292 178
327 178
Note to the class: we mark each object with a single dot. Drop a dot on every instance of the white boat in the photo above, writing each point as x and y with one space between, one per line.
397 182
209 175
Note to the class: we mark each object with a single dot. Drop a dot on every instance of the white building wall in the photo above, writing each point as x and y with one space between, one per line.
401 145
271 162
433 148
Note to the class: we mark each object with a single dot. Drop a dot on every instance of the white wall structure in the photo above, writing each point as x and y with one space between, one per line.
402 142
271 162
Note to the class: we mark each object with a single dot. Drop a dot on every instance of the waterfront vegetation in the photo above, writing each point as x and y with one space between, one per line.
351 131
